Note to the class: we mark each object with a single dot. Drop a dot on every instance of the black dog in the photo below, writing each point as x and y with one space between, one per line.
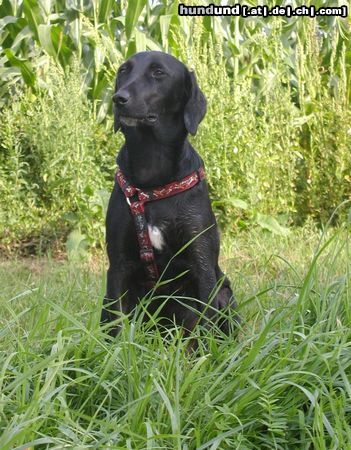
156 103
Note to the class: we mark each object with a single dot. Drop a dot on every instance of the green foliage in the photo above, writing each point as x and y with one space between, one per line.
56 165
325 138
283 383
276 137
262 145
246 137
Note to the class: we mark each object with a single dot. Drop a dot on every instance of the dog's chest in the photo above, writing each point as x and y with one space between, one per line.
161 219
157 236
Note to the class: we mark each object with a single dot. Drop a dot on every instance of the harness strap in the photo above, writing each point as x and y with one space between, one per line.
137 209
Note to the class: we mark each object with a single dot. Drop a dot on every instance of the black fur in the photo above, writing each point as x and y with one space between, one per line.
157 102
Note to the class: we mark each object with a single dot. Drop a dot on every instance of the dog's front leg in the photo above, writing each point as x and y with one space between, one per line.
204 274
203 256
117 299
208 300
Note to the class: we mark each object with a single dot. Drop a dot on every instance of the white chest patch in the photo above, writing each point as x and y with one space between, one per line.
156 237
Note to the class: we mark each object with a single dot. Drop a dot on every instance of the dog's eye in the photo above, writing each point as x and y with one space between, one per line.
157 73
122 70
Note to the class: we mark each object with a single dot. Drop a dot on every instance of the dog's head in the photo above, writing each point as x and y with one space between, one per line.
154 89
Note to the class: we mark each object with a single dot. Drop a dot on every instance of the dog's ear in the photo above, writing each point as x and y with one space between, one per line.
116 121
195 107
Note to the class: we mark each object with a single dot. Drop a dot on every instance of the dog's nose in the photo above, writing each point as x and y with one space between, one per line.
121 97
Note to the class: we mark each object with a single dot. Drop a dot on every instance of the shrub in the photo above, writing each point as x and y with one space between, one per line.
56 165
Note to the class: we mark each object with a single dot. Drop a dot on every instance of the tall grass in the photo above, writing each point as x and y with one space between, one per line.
283 384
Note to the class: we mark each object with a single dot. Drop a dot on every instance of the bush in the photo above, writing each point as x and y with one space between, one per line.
284 147
56 165
245 138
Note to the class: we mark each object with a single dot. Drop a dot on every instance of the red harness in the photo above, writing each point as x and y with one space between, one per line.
138 211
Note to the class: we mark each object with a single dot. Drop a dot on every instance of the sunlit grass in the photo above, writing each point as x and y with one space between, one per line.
283 383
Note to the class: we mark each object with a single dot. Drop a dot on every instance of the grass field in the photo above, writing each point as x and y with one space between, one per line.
284 383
